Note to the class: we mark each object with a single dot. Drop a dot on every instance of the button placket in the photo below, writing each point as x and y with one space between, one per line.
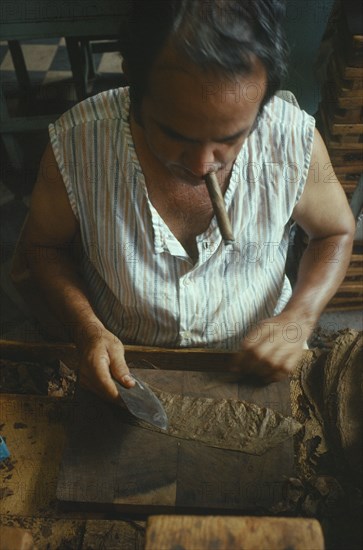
186 295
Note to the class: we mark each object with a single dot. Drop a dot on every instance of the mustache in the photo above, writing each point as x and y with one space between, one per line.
182 170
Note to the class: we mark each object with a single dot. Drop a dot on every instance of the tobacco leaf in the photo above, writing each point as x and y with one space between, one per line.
226 423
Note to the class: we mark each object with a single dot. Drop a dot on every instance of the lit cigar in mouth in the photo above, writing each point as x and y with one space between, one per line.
219 208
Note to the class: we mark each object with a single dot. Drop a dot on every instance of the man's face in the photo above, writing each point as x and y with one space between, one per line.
196 122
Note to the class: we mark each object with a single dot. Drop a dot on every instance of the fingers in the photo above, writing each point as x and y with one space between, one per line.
120 371
266 360
117 364
269 352
249 366
95 376
102 361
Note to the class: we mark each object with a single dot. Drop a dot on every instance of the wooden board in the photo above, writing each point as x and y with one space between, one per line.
47 533
349 295
232 533
334 142
82 534
34 428
111 464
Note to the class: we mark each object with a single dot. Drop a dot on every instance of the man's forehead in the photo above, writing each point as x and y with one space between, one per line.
170 64
184 85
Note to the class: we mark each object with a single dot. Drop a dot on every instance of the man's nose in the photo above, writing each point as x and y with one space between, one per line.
200 160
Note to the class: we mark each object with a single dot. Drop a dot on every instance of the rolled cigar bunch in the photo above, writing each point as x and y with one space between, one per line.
219 208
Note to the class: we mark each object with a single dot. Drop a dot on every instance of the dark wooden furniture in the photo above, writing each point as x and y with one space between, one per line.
341 126
79 22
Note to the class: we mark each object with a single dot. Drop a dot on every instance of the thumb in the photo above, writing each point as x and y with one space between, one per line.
120 370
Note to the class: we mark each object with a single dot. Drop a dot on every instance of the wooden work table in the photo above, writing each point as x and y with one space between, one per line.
36 427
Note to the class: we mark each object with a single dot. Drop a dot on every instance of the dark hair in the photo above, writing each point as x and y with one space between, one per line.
220 35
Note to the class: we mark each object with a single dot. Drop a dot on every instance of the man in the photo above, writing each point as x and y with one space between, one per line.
124 175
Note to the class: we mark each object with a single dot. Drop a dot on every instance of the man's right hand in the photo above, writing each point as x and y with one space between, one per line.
103 357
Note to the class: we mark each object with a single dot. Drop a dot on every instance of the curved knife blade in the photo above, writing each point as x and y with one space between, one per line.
143 403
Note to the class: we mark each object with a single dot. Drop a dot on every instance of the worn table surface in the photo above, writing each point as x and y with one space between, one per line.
35 427
35 431
110 463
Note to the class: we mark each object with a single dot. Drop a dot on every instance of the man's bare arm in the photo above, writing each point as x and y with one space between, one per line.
324 214
53 227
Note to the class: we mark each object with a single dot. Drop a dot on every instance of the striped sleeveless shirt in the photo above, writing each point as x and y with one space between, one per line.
142 284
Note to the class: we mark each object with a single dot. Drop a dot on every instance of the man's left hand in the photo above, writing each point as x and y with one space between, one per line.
272 349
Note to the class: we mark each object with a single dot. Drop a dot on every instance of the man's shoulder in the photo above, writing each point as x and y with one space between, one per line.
283 110
110 105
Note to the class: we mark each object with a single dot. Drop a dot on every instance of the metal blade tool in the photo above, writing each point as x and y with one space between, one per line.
143 403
